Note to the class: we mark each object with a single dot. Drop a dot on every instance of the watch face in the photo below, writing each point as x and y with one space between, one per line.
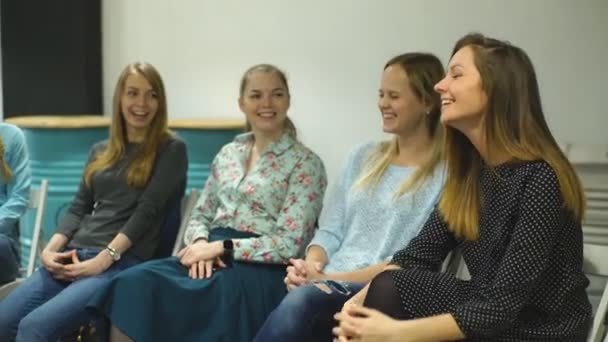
228 244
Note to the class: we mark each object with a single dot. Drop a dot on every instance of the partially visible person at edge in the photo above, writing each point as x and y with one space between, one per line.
257 210
129 183
15 179
512 204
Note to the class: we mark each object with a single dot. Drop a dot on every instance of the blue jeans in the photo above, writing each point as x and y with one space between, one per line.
307 312
45 309
9 260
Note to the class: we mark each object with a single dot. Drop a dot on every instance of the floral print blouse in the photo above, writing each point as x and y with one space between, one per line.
279 199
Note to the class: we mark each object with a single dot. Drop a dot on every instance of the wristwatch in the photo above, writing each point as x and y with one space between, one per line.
228 247
228 251
113 253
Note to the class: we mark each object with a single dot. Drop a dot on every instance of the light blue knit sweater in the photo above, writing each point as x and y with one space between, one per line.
359 227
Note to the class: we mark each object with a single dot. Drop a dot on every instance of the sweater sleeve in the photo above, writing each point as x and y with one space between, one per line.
19 186
331 230
429 248
296 222
169 172
542 214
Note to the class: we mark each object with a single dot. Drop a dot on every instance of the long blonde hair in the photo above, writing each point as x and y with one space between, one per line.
7 174
514 124
423 70
158 132
290 127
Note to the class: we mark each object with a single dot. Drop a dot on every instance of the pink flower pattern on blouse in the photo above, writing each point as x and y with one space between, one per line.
280 199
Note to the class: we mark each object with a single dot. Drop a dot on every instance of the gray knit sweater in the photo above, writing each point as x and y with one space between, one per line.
109 206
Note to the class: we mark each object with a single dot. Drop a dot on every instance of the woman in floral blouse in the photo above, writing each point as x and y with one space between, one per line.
257 210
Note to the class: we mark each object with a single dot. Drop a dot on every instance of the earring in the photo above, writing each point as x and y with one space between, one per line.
428 112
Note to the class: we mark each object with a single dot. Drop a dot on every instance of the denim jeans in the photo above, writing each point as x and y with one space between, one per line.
9 259
45 309
307 312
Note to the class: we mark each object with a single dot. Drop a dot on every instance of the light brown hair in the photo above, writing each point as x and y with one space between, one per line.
141 168
423 71
7 174
515 125
290 127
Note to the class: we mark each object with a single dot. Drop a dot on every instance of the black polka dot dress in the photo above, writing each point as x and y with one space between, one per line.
526 281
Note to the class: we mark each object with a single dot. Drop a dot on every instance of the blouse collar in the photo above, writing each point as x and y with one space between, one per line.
277 147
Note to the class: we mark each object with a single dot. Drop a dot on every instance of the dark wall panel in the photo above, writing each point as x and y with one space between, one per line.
51 57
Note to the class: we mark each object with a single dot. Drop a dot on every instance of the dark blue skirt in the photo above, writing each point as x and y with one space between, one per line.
157 301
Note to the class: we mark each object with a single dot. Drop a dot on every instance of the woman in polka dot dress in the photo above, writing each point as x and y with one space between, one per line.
512 204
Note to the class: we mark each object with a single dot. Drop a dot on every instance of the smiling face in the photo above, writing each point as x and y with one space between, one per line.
139 104
402 111
265 101
463 100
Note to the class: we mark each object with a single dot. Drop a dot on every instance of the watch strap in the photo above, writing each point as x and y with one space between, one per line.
113 253
228 255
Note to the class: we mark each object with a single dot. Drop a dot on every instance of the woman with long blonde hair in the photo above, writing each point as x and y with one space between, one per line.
129 183
385 194
512 204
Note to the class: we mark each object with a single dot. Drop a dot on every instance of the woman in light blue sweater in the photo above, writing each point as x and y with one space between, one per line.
386 193
15 179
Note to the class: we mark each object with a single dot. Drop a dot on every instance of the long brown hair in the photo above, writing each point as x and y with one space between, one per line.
513 122
290 127
423 71
7 174
158 132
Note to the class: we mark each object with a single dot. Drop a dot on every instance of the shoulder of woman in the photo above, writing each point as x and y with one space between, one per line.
175 143
99 146
230 148
10 131
304 153
537 170
364 151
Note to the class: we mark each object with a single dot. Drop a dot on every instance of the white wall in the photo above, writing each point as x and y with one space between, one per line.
334 51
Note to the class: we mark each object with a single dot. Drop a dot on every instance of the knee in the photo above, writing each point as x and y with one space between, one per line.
4 242
6 248
382 292
8 324
293 318
294 308
31 329
382 283
298 300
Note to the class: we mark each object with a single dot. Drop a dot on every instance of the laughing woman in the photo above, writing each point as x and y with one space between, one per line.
512 203
385 194
114 220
